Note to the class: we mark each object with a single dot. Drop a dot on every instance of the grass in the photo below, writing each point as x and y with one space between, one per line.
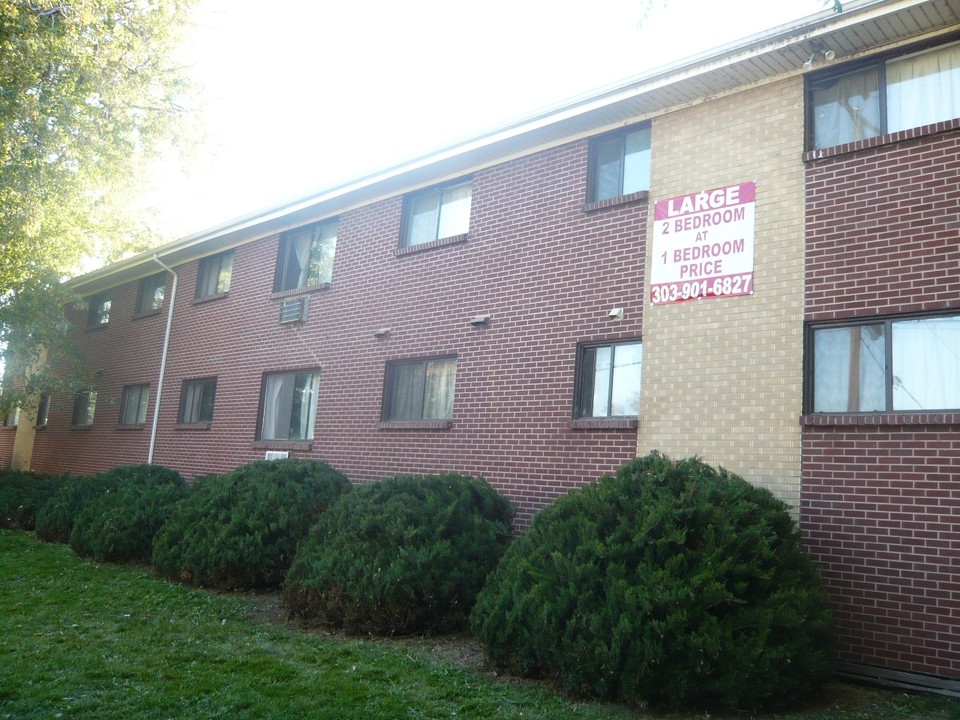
81 640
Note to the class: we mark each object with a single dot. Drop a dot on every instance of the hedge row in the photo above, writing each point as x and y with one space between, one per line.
671 584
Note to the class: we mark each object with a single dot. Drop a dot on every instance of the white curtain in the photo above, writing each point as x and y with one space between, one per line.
923 88
455 211
636 161
422 218
847 109
926 364
271 407
849 369
302 244
441 379
306 389
601 382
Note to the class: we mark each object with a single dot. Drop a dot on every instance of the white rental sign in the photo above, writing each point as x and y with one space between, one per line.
703 245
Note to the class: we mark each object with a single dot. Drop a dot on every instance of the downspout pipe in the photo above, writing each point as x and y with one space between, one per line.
163 358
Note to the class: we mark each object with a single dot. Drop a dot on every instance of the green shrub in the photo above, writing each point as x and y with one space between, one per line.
241 530
671 583
402 555
22 493
119 525
56 517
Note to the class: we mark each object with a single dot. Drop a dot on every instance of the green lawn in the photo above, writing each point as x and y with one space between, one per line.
81 640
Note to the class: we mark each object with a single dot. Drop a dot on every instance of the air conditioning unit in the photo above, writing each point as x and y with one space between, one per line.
294 311
276 455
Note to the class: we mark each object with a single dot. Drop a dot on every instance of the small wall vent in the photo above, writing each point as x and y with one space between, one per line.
276 455
294 311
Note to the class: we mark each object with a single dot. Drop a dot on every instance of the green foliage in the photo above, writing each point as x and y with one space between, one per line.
21 493
399 556
56 517
241 530
119 525
88 96
671 583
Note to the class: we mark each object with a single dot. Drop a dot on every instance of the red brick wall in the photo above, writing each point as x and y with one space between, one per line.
6 447
546 271
880 500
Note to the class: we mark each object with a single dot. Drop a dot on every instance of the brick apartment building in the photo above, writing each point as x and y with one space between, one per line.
771 230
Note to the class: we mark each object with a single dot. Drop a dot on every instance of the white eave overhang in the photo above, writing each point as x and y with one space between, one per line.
864 26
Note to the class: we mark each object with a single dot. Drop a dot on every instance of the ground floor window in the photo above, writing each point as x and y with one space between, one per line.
289 405
420 389
84 405
891 365
608 380
133 410
196 401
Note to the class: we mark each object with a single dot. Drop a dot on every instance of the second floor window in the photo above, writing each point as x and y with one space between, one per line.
98 310
306 256
213 276
620 163
420 389
150 295
437 213
133 410
885 96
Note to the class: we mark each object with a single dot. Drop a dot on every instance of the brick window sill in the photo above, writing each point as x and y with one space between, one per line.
283 445
294 292
82 427
193 426
879 419
604 424
880 140
416 425
630 199
141 316
210 298
133 426
96 328
433 244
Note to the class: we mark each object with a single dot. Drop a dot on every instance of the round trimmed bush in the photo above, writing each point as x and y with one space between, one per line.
402 555
241 530
671 583
22 493
119 525
55 518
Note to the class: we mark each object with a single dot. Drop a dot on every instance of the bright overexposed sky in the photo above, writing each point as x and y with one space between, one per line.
299 95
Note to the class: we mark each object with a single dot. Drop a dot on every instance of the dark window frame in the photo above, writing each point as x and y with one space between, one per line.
581 386
815 80
204 269
89 408
285 251
314 370
147 294
887 322
411 198
387 409
128 390
99 307
204 384
593 158
43 411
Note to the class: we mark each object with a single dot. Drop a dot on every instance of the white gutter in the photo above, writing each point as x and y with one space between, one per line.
163 358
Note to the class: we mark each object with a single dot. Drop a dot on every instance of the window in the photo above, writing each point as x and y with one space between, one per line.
620 164
608 380
214 274
43 410
133 410
886 95
12 419
306 256
84 404
895 365
196 401
150 295
289 405
438 213
98 310
420 389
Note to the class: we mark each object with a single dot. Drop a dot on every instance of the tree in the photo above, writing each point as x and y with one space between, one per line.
87 98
